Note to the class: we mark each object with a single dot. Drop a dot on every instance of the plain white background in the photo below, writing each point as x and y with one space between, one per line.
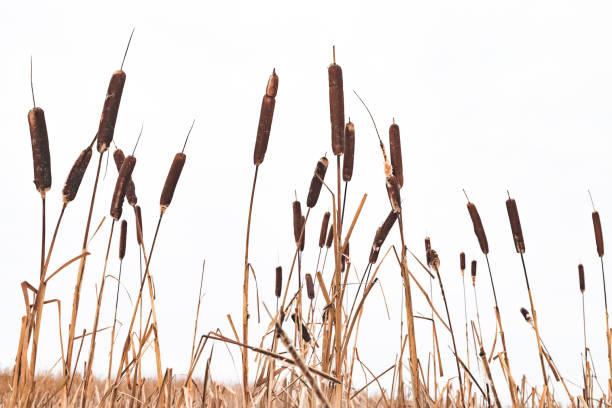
489 96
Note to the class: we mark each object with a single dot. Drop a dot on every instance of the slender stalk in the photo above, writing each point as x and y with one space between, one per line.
44 228
609 343
110 359
467 342
586 358
477 312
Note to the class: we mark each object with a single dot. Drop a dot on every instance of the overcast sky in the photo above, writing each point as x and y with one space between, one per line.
489 96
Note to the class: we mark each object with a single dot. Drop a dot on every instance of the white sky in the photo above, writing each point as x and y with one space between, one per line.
489 96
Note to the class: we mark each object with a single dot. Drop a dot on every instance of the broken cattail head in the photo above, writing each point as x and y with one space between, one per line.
395 148
375 248
317 181
171 181
266 115
75 177
106 130
279 281
310 286
473 272
123 178
515 226
381 235
336 107
462 262
478 228
598 234
138 224
526 315
324 225
40 150
349 152
130 192
297 221
581 278
122 239
393 189
330 237
345 256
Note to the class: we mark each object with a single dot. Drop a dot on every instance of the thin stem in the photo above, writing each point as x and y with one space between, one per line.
344 202
44 229
110 361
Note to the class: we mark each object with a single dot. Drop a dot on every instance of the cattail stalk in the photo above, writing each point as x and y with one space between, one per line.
122 248
467 342
348 161
323 235
582 287
473 273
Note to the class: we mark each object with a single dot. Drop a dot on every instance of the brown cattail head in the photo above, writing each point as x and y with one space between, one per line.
138 224
526 315
395 148
317 181
122 239
40 149
462 262
435 260
598 234
349 152
130 192
265 120
279 281
330 237
393 189
473 272
478 228
297 221
121 185
324 225
345 256
75 177
428 250
171 180
581 277
301 328
303 228
515 226
336 107
106 130
381 235
375 248
310 286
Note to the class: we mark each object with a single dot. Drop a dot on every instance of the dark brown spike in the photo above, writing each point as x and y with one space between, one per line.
106 129
336 107
171 181
304 330
138 224
434 259
478 228
393 189
395 148
473 272
310 286
375 248
317 182
330 237
40 149
345 256
130 192
598 234
266 115
428 253
324 225
581 278
381 235
121 185
515 226
462 262
75 177
279 281
303 228
349 152
297 221
122 239
526 315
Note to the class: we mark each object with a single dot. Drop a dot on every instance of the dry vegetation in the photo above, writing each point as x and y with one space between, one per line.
308 354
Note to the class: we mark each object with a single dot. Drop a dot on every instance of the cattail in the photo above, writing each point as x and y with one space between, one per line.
345 256
598 234
279 281
265 119
122 239
336 107
330 237
110 110
375 247
130 191
428 251
310 286
303 228
171 180
324 225
393 189
478 228
473 272
515 226
462 262
349 152
40 149
435 260
121 185
138 225
395 148
381 234
526 315
305 334
317 181
297 221
581 278
75 177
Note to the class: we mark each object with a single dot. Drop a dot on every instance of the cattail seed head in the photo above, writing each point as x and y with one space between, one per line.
75 177
324 225
121 185
462 262
303 228
122 239
526 315
279 281
515 226
302 328
40 150
106 130
266 114
349 152
171 180
395 148
130 192
330 237
581 278
435 260
478 228
310 286
297 221
598 234
428 250
393 189
317 181
336 107
345 256
380 236
473 272
138 225
375 248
